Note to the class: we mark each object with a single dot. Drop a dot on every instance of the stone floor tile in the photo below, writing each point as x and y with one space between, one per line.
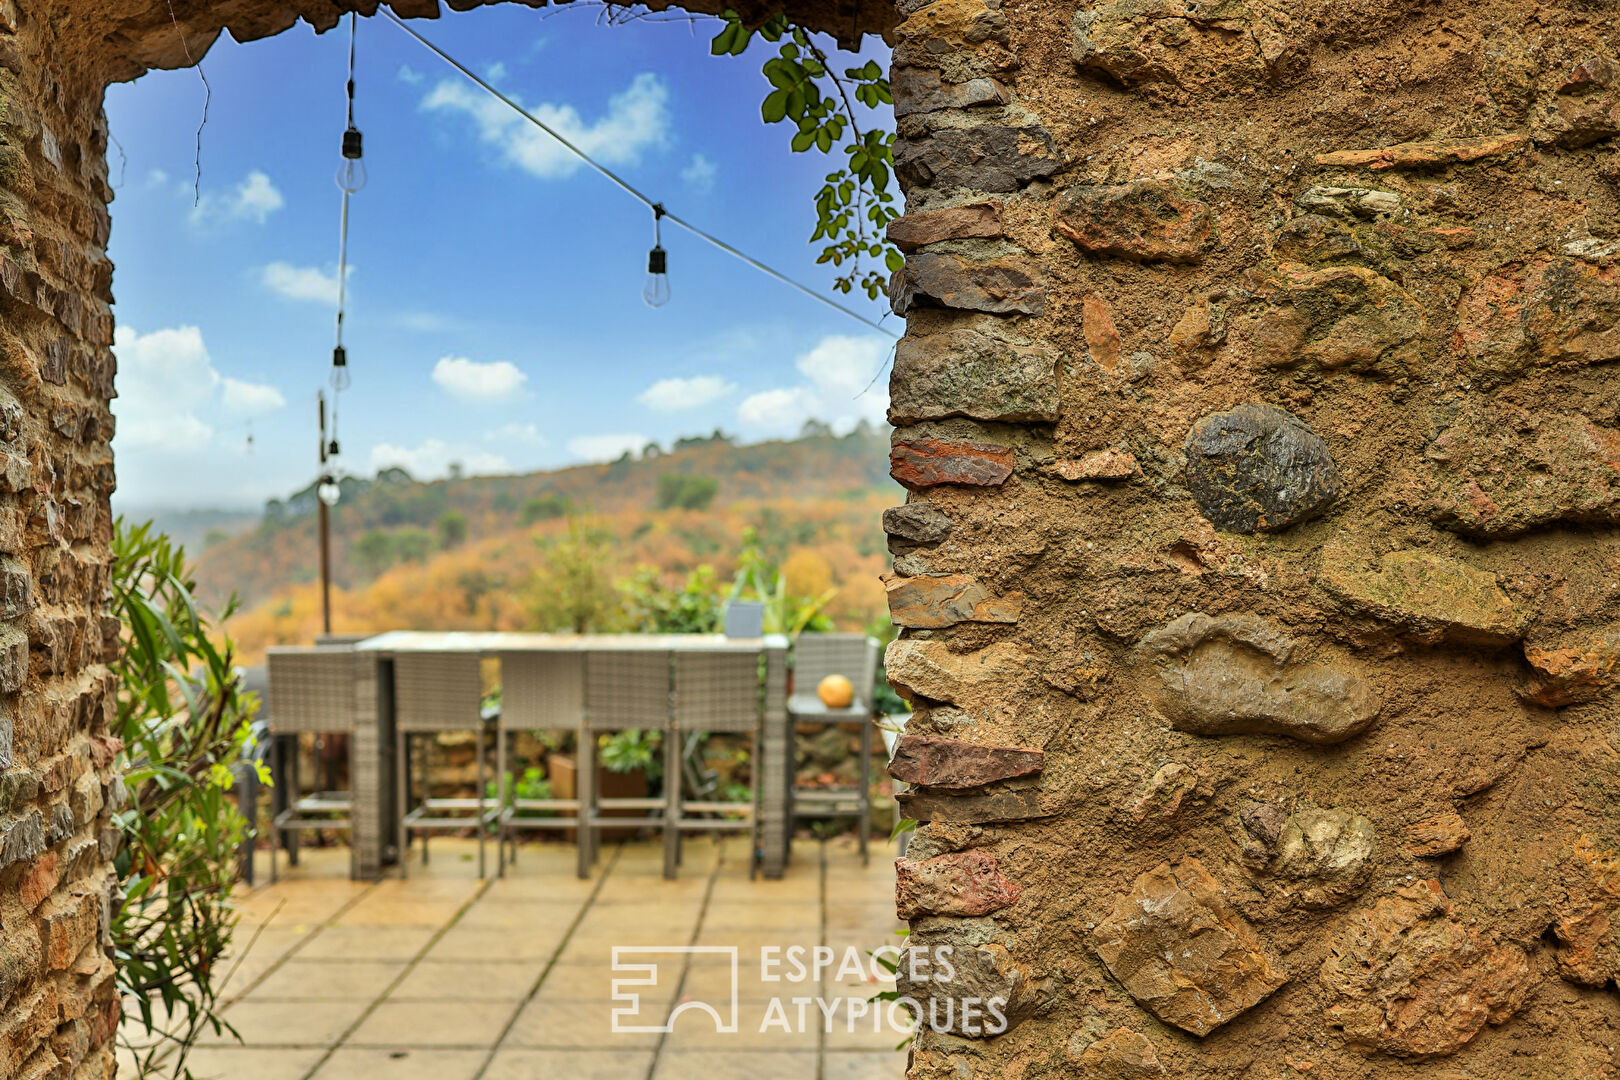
462 945
367 943
288 1023
580 1026
243 1063
695 1030
735 1065
482 981
865 1065
417 1064
488 915
395 1025
571 1065
329 980
388 910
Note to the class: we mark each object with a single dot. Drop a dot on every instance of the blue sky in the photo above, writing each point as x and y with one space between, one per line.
495 314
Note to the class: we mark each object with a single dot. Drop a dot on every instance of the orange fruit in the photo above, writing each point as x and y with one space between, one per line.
836 692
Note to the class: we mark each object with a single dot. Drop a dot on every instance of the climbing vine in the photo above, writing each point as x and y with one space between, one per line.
854 204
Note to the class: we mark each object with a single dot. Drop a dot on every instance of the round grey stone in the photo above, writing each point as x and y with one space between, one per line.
1259 468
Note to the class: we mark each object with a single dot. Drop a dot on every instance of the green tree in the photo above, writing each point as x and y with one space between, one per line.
412 544
182 727
573 591
452 529
547 507
374 551
686 491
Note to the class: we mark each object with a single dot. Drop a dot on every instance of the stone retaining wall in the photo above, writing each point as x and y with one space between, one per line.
1260 570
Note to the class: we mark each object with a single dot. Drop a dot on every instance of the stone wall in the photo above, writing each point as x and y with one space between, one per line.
58 1009
1259 412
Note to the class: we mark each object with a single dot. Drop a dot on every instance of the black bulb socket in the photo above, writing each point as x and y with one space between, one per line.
340 357
351 144
658 261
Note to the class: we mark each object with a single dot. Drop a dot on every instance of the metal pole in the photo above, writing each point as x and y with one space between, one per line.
323 526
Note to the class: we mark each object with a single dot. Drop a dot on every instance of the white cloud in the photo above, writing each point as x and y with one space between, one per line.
309 283
637 119
167 386
254 199
472 380
156 178
700 174
606 447
409 75
494 71
424 322
251 399
678 395
522 434
432 458
838 388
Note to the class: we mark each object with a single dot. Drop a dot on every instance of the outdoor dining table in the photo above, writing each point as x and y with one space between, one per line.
373 782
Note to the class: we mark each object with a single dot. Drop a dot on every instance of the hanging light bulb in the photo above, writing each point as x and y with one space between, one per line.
340 369
328 491
351 173
656 291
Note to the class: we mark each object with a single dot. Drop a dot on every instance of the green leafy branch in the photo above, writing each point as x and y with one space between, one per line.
855 203
183 727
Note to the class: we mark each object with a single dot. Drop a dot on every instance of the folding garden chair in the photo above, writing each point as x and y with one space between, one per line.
539 692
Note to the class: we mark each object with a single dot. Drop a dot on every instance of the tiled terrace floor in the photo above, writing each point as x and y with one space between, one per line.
444 977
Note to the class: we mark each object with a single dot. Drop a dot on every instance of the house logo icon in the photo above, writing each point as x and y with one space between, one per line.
637 970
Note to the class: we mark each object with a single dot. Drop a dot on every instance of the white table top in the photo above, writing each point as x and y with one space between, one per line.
494 641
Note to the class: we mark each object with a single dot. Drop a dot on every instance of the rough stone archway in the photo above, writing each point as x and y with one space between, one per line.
1260 571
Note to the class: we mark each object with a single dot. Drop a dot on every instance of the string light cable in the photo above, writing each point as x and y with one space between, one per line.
657 262
350 178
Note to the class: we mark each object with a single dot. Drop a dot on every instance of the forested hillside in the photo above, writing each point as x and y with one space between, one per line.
526 552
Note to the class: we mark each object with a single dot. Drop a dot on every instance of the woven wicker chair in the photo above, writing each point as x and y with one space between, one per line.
855 656
539 692
714 692
309 691
437 692
623 690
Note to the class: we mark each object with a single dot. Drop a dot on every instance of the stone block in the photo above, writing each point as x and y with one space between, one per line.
964 883
1572 669
1429 596
69 925
1259 468
931 601
1237 674
977 808
1435 836
918 90
1106 465
990 158
916 523
928 669
1544 311
1144 220
1412 980
926 462
1500 471
1181 951
966 373
998 287
935 762
1429 153
973 221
